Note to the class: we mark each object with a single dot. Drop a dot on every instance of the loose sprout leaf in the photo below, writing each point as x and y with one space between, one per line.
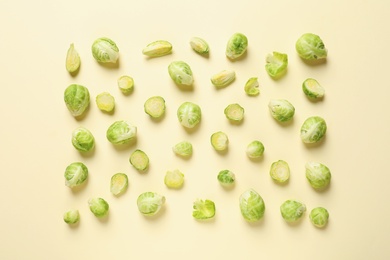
203 209
251 87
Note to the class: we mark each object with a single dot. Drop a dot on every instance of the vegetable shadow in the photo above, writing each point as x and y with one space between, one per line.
317 144
104 220
110 65
223 152
88 154
314 62
206 221
75 225
83 115
297 223
322 190
185 88
193 129
258 223
157 119
257 160
157 216
315 100
125 147
228 187
286 123
242 57
236 122
80 188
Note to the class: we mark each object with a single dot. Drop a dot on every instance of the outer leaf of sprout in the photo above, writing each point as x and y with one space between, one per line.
82 139
189 114
104 50
281 109
203 209
121 132
313 129
126 84
252 87
181 73
98 206
105 102
234 112
219 140
276 64
226 178
150 203
75 174
255 149
77 99
199 45
223 78
310 47
319 217
140 160
174 179
313 89
119 183
71 217
183 149
292 210
236 46
280 171
318 175
252 205
155 106
72 59
157 48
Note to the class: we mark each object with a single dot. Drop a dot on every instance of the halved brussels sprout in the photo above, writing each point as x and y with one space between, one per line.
75 174
255 149
121 132
313 89
251 87
310 47
155 106
72 216
252 205
183 149
219 141
72 59
223 78
226 178
236 46
276 64
126 84
104 50
319 217
313 129
82 139
174 179
181 73
105 102
157 48
234 112
140 160
150 203
318 175
280 171
77 99
281 109
203 209
98 206
119 183
199 45
292 210
189 114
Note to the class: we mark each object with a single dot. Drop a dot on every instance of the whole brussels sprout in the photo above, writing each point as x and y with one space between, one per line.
252 205
310 47
281 110
189 114
319 217
150 203
71 216
292 210
82 139
75 174
98 206
77 99
318 175
236 46
181 73
313 129
121 132
104 50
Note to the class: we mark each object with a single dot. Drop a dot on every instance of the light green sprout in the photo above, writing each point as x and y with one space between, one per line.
155 106
255 149
139 160
226 178
276 64
318 175
75 174
157 48
73 61
252 205
313 89
99 207
223 78
199 45
292 210
150 203
251 87
319 217
183 149
313 129
219 141
174 179
181 73
236 46
189 114
281 110
203 209
119 183
121 132
310 47
72 216
280 171
104 50
234 112
105 102
126 84
82 139
77 99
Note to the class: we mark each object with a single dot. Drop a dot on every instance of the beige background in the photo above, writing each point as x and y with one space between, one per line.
35 131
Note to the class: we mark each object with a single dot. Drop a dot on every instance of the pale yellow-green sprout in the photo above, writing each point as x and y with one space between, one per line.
203 209
226 178
276 64
174 179
252 205
219 141
318 175
150 203
313 129
155 106
234 112
73 60
199 45
223 78
313 89
121 132
281 109
292 210
105 50
236 46
251 87
183 149
119 183
71 217
126 84
139 160
255 149
181 73
157 48
82 139
310 47
75 174
280 171
189 114
105 102
98 206
319 217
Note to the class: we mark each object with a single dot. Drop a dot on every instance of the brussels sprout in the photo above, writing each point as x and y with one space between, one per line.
76 98
72 216
105 102
255 149
251 87
140 160
157 48
98 206
318 175
155 106
189 114
183 149
234 112
150 203
72 60
310 47
219 141
313 89
119 183
181 73
236 46
252 205
292 210
174 179
226 178
82 139
199 45
223 78
104 50
319 217
121 132
280 171
203 209
126 84
313 129
281 109
75 174
276 64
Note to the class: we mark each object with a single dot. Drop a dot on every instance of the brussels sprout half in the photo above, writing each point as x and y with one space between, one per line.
174 179
119 183
219 141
